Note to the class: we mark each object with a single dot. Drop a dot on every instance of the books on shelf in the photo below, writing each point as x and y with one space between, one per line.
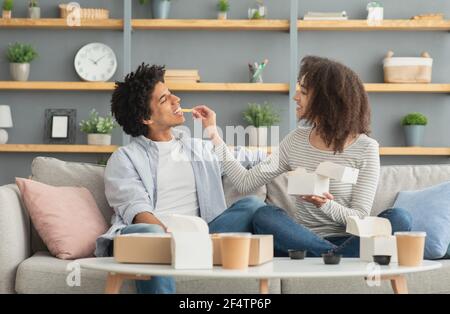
189 76
326 16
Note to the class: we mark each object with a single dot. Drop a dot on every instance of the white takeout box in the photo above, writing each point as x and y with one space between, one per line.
375 237
338 172
301 182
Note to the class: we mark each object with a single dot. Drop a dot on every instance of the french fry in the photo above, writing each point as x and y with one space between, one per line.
186 110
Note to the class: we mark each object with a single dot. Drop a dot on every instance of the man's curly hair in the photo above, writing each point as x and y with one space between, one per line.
130 102
338 102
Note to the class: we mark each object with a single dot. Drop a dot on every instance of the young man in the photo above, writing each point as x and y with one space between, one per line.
163 171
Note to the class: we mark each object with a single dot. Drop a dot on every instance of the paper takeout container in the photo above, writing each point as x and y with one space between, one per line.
157 249
375 237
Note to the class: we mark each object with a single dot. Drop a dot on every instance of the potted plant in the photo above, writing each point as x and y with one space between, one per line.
259 117
34 11
7 8
98 129
258 13
19 57
160 8
414 126
223 6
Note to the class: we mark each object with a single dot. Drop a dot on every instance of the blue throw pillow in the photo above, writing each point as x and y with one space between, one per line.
430 211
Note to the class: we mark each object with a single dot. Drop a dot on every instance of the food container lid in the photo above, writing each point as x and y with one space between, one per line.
411 233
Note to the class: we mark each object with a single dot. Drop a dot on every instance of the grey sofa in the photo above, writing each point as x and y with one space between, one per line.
27 267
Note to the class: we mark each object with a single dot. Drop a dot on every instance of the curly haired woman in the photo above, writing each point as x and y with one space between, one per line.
332 100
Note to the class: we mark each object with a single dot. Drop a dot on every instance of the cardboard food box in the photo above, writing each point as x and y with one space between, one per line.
157 249
261 249
302 182
375 237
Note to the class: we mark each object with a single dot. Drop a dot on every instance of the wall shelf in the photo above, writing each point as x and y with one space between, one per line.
56 148
210 24
109 24
180 87
214 24
415 151
216 87
407 88
91 149
386 25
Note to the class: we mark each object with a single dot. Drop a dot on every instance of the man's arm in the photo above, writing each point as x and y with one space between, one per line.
148 218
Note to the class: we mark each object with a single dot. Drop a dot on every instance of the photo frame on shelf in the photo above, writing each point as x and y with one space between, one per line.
60 126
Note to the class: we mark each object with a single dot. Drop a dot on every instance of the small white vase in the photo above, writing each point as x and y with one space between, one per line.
99 139
257 136
222 15
34 12
19 71
6 14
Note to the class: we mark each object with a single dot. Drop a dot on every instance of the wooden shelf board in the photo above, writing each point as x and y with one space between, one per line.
56 148
415 151
84 149
386 25
210 24
116 24
175 86
407 88
53 85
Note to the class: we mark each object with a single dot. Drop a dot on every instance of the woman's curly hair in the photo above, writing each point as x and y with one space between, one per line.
130 102
338 102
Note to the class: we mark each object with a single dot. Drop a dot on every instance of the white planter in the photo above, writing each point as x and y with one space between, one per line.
34 13
6 14
19 71
99 139
257 136
222 15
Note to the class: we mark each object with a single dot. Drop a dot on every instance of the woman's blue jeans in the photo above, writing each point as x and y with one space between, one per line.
237 218
288 234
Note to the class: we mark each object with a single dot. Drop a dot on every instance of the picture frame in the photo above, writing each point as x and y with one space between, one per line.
60 126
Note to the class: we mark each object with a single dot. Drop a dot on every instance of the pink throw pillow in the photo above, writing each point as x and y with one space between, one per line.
66 218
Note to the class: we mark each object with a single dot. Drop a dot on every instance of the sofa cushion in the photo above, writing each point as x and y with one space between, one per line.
43 273
430 212
67 218
232 195
394 179
56 172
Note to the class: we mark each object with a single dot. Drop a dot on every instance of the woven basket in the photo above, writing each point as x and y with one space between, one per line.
92 13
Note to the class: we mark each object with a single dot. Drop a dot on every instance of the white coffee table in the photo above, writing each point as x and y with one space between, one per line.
279 268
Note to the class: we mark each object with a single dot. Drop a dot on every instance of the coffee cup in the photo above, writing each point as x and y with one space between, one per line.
235 250
410 248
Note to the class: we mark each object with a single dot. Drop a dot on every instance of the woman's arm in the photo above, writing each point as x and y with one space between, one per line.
363 192
243 179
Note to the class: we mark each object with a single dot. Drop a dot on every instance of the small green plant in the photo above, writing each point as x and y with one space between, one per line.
21 53
97 124
256 16
223 6
8 5
261 115
414 118
33 4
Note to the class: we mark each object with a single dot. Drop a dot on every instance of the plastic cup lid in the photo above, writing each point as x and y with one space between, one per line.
412 233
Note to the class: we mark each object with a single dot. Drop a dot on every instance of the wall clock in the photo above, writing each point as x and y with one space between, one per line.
95 62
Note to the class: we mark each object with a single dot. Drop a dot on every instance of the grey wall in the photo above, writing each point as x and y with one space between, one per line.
223 57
